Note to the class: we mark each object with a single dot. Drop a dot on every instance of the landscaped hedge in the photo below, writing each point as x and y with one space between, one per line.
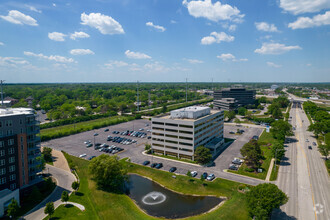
263 120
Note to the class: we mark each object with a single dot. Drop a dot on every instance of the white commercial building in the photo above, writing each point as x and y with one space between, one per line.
183 130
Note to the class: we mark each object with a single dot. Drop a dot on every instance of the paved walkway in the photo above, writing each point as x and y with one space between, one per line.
59 160
64 181
270 170
79 206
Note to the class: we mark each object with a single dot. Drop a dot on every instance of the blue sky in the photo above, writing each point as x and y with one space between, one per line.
165 40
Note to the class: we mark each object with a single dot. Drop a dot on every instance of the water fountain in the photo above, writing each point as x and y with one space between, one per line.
153 198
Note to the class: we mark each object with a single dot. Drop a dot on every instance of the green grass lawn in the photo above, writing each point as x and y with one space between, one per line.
175 158
264 139
104 205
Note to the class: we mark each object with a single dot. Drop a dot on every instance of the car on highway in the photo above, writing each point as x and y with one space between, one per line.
82 155
159 165
210 177
145 163
153 165
173 169
193 173
204 175
310 147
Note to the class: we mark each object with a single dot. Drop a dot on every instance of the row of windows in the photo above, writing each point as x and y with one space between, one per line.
8 123
173 142
10 142
12 177
171 124
10 151
11 169
3 161
172 130
174 148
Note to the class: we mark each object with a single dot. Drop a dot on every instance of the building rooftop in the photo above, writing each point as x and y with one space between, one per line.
16 111
192 112
5 192
168 116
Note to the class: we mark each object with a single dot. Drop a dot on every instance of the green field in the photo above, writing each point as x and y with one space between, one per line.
65 130
104 205
265 138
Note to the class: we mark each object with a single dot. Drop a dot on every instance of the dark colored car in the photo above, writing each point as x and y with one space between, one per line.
95 134
107 129
204 175
91 157
310 147
145 163
173 169
159 165
153 165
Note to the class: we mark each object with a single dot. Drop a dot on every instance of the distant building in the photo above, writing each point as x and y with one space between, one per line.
29 100
19 148
227 104
183 130
242 96
11 101
274 87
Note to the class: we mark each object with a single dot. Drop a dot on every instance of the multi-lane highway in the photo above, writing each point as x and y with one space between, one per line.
302 175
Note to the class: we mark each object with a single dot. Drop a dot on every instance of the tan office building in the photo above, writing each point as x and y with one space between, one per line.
183 130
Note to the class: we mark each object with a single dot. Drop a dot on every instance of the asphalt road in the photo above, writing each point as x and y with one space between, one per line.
303 176
64 182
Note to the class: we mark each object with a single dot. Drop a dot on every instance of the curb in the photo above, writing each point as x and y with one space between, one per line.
171 159
226 171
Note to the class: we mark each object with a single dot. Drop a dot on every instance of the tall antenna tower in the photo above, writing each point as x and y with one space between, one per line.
186 89
2 81
137 97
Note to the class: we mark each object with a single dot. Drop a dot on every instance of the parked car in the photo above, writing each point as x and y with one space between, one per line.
255 137
193 173
91 157
95 134
314 143
310 147
159 165
107 129
89 145
82 155
145 163
237 161
153 165
231 132
307 140
173 169
87 142
210 177
204 175
233 167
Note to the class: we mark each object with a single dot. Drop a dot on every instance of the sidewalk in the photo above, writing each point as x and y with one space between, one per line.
60 161
270 170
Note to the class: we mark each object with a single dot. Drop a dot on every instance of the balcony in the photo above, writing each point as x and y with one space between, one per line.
36 139
35 122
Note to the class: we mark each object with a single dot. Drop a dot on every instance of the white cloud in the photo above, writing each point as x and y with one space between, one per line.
81 52
17 17
12 61
217 38
115 63
54 5
32 8
136 55
194 61
56 36
306 22
2 44
214 12
173 22
55 58
308 64
271 64
304 6
105 24
80 34
275 48
157 27
155 67
264 26
232 27
230 57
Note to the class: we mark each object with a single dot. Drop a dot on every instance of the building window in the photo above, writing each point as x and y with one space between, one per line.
9 132
11 159
12 168
2 153
2 162
1 133
11 150
2 144
21 130
2 180
3 171
20 121
13 186
0 124
12 177
9 123
11 142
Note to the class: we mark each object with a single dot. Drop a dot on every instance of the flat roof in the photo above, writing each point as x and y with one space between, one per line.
168 116
15 111
191 109
5 192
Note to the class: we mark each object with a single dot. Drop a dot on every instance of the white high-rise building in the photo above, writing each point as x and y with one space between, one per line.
183 130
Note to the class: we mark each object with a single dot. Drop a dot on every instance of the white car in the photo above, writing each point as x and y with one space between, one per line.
210 177
193 173
82 155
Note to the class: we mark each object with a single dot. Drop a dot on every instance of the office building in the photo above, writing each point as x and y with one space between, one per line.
179 133
19 149
227 104
240 94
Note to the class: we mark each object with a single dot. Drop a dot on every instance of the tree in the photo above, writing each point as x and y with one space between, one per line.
237 121
263 198
164 108
203 155
252 153
75 186
49 209
65 196
47 154
324 150
280 129
108 172
42 164
230 115
241 111
13 209
278 150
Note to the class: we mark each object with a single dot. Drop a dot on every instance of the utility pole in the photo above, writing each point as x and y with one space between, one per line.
137 96
186 89
149 100
2 81
212 84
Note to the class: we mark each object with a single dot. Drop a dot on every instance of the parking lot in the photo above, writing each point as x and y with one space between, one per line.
74 145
